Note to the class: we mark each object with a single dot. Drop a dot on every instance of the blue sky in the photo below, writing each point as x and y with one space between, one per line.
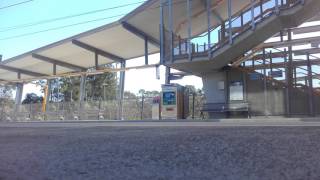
39 10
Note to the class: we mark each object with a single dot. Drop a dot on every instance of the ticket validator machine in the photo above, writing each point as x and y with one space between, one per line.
174 102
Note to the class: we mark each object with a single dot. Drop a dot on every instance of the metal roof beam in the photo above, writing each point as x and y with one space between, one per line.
140 33
58 62
22 71
98 51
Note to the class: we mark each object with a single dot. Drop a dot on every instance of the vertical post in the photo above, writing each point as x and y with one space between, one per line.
261 9
121 91
167 78
54 69
48 92
179 45
270 64
82 90
295 76
277 7
18 99
241 19
96 60
19 75
287 84
289 74
310 87
208 4
142 106
230 21
146 53
265 84
170 19
193 102
189 10
161 26
253 24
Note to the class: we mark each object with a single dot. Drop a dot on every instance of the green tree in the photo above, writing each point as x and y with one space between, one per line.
102 86
32 98
6 95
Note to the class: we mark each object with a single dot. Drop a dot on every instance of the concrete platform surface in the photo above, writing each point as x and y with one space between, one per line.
116 150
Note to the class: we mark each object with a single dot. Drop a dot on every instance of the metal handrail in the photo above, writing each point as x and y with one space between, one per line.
243 27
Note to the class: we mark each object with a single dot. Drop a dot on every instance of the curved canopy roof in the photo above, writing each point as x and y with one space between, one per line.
116 42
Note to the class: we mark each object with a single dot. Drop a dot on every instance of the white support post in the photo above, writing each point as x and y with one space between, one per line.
121 91
82 89
49 83
18 99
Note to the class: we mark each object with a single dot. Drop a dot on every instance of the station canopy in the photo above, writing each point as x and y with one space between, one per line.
115 42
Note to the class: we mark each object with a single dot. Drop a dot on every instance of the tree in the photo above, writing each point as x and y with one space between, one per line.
6 95
102 86
129 95
32 98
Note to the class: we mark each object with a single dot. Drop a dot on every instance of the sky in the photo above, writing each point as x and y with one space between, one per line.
15 41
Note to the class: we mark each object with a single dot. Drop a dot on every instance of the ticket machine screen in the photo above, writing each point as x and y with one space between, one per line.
169 98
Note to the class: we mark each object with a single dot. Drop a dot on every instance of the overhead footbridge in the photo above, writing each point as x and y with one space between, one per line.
208 35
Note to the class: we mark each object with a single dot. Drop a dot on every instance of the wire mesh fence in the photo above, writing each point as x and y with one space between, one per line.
139 108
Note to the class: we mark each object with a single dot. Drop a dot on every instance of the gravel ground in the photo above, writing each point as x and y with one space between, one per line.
160 153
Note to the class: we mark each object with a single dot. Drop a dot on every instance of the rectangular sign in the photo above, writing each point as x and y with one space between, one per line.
236 91
255 76
275 73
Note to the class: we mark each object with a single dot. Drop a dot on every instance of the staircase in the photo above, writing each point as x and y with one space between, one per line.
242 35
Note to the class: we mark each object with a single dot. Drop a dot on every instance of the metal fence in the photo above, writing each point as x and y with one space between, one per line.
139 108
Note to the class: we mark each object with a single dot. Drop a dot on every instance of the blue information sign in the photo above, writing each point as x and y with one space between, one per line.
255 76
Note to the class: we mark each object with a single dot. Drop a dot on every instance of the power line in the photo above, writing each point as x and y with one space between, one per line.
12 5
60 27
75 24
4 29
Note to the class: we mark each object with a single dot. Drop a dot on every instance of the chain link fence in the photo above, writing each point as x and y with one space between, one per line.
139 108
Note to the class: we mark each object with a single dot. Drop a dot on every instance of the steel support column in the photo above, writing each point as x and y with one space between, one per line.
265 92
289 74
253 23
230 21
310 88
287 98
121 91
208 7
49 85
146 51
167 76
170 22
161 26
18 98
82 89
96 60
189 10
